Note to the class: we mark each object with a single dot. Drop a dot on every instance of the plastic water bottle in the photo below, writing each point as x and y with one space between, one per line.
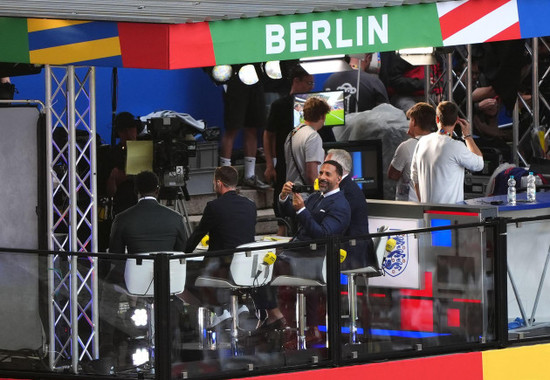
531 188
511 191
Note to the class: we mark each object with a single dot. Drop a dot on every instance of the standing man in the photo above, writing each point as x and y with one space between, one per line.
421 122
363 90
304 147
438 163
362 254
281 121
244 107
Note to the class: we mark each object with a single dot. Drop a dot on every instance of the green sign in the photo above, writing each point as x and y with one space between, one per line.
325 33
14 43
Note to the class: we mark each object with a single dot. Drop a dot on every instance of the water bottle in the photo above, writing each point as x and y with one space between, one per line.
511 191
531 188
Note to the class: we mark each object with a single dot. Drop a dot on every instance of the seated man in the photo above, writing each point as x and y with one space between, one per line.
146 227
229 220
322 215
362 254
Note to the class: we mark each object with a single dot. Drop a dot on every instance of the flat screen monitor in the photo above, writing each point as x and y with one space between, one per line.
367 164
335 99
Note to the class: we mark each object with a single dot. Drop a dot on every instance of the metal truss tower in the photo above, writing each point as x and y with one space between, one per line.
72 215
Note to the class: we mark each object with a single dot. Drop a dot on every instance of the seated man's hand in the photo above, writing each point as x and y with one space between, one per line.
287 190
269 174
297 201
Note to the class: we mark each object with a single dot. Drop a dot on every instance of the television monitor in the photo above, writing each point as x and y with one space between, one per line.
367 164
335 99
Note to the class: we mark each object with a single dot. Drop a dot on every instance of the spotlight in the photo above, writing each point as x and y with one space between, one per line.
140 356
418 56
248 75
273 69
222 73
140 317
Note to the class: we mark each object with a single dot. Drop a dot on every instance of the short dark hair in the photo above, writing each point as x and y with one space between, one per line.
447 113
146 183
298 72
228 175
125 120
338 167
315 109
424 115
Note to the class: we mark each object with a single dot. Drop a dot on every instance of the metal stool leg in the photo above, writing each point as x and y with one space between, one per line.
352 300
301 318
234 325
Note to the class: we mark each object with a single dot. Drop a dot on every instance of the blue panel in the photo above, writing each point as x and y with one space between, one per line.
357 166
115 61
533 18
343 279
441 238
406 334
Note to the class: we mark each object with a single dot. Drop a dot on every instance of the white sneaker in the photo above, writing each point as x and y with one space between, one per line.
220 318
242 309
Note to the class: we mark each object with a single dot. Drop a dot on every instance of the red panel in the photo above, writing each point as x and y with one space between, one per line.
511 33
466 300
191 46
451 213
144 45
448 367
417 315
453 317
466 14
427 291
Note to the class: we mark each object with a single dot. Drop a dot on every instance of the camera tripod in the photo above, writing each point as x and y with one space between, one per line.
176 198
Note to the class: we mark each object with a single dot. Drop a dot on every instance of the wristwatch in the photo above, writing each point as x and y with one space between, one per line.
466 136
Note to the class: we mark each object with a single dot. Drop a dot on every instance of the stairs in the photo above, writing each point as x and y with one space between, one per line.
262 199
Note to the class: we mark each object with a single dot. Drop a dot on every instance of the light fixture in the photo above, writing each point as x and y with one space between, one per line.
140 317
248 75
324 64
222 73
273 69
418 56
140 356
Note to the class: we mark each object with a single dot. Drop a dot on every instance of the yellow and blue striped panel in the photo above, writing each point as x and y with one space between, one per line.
74 42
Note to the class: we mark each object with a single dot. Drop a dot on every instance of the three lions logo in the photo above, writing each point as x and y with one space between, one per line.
397 260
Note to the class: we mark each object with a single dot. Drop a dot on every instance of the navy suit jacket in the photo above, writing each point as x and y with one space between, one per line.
229 220
321 218
362 254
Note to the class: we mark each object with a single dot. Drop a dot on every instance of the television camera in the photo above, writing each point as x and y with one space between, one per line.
173 144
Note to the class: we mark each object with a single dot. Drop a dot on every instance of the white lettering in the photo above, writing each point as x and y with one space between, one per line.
340 41
274 42
380 31
297 34
320 33
359 23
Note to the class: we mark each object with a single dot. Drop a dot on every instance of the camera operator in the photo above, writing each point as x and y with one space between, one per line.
304 146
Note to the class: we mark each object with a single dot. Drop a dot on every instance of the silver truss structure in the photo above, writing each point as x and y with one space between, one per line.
72 215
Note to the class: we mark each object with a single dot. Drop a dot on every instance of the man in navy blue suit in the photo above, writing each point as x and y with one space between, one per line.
322 215
362 254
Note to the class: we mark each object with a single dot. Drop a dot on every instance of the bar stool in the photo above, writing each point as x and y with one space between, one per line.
301 284
247 272
375 270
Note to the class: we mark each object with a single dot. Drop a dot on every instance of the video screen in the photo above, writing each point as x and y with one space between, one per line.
335 99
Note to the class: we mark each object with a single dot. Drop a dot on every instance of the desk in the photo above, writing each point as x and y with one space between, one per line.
528 247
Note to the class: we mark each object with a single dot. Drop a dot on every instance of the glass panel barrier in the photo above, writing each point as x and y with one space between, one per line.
528 256
433 289
263 307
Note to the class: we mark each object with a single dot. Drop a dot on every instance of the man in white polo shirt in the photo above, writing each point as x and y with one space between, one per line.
438 163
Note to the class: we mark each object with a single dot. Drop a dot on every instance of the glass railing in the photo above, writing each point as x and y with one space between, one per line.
272 306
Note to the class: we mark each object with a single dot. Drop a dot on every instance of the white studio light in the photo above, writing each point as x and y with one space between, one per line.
140 317
222 73
140 356
248 75
273 69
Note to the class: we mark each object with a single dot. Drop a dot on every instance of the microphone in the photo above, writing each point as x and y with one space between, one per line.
343 255
269 259
390 245
205 240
